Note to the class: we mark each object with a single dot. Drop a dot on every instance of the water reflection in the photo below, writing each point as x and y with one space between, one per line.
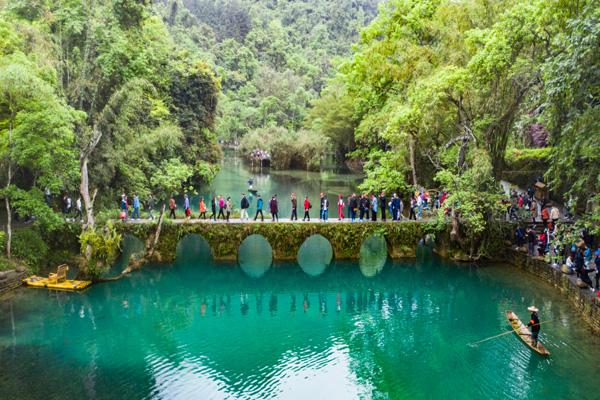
193 249
315 255
222 334
255 256
373 255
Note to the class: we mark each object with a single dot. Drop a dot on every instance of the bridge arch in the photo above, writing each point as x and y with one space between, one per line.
193 249
255 255
373 255
315 255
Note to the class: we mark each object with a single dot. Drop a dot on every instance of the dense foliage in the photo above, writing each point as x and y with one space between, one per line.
273 59
96 96
442 90
128 95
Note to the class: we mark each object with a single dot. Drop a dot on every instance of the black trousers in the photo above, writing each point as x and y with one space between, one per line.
172 213
202 215
306 216
221 214
262 217
274 216
294 215
383 212
412 214
213 215
373 216
362 213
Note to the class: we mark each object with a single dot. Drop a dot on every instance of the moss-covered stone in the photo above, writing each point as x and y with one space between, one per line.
285 238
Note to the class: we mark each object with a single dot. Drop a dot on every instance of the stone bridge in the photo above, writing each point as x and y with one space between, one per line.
285 238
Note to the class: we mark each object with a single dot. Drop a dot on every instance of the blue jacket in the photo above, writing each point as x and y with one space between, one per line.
136 202
259 204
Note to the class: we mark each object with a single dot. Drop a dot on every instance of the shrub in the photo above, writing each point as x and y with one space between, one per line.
104 246
29 246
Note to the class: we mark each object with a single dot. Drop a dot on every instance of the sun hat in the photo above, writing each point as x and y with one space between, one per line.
532 309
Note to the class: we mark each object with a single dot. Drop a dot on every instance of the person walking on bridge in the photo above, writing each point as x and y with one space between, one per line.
374 209
136 207
325 207
150 204
294 207
259 208
186 206
172 207
202 209
340 207
221 207
307 207
383 205
353 203
213 209
274 207
228 208
244 205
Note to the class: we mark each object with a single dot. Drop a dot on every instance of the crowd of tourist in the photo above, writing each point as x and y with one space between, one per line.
363 207
545 234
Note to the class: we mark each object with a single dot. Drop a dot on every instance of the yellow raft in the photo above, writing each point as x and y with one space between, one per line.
57 280
67 284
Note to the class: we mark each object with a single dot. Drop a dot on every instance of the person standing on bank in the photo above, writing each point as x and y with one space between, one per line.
244 205
259 208
202 209
172 207
307 207
294 207
534 324
274 207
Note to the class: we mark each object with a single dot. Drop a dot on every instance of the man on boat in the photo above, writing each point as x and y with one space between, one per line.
534 324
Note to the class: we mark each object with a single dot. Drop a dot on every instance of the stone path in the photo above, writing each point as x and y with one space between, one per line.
266 221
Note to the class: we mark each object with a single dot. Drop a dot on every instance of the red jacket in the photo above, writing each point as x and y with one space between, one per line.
306 204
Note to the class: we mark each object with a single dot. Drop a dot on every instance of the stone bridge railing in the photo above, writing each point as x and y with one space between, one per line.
285 239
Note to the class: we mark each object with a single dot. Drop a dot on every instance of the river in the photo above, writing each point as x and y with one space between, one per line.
232 180
203 330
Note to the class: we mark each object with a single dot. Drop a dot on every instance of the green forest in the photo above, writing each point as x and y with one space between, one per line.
98 96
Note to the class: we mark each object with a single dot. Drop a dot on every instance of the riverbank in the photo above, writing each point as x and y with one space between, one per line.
583 300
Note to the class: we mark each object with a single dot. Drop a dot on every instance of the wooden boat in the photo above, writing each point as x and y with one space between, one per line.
525 334
253 191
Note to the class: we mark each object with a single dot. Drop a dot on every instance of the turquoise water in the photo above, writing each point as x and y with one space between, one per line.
198 330
232 180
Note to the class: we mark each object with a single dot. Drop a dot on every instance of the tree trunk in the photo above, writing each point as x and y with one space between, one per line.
411 147
6 199
84 189
150 251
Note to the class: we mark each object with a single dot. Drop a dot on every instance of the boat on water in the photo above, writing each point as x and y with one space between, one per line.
525 334
56 280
